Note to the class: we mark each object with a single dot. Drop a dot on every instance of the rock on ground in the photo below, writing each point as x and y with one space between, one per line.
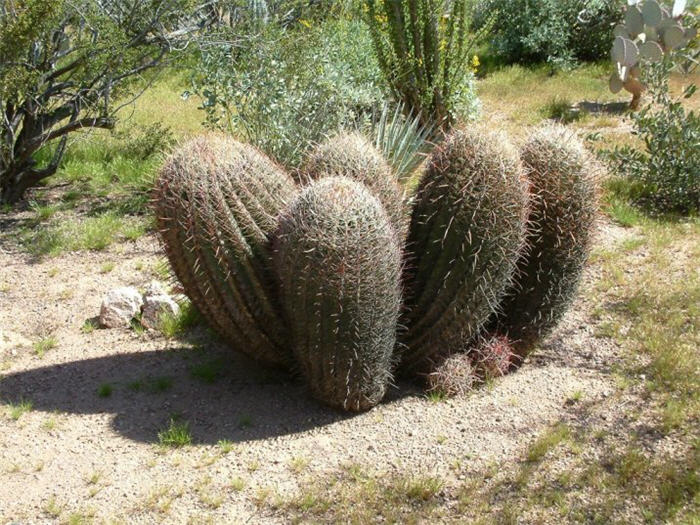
119 307
156 305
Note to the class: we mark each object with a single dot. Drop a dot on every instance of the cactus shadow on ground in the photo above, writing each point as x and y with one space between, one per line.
604 108
242 402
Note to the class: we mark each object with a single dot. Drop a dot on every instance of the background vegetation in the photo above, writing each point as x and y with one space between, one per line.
282 74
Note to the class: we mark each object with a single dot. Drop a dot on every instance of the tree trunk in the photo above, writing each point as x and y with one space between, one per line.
15 182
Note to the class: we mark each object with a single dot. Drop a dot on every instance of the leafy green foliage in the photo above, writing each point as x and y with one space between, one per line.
67 66
665 172
423 48
558 31
284 89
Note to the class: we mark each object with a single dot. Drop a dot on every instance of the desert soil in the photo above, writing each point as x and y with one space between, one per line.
78 452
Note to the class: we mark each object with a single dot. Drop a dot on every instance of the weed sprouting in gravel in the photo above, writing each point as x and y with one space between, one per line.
176 435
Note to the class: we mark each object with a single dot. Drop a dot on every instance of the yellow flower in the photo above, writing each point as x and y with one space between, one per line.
305 23
475 63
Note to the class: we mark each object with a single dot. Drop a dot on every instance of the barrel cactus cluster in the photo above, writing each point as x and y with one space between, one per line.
348 279
650 31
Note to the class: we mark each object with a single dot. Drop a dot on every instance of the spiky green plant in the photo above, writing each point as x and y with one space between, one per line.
216 202
351 155
403 140
563 210
467 230
339 265
422 47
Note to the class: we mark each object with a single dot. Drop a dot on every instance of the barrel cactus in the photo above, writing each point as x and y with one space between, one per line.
563 211
466 233
352 155
492 356
452 375
216 203
339 266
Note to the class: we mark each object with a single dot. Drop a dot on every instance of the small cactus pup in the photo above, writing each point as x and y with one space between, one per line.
563 211
452 375
467 231
216 202
351 155
492 356
339 265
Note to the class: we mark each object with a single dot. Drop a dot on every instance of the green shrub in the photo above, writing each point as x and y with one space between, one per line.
665 172
285 89
557 31
423 50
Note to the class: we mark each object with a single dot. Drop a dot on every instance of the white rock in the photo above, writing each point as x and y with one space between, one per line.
154 288
156 305
120 306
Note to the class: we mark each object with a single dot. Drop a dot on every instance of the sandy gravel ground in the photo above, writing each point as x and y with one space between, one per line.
78 452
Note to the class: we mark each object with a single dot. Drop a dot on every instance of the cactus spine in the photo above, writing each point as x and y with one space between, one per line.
562 217
466 233
352 155
216 203
339 265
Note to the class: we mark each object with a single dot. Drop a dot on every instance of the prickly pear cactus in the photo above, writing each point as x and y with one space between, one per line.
352 155
467 231
339 266
216 203
649 32
562 217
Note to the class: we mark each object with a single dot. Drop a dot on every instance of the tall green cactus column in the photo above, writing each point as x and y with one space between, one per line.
339 264
562 218
216 203
467 231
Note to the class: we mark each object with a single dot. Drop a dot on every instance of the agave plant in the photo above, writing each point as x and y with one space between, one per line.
405 141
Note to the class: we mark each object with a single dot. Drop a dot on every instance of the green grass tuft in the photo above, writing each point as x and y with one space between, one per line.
18 409
44 345
105 390
176 435
208 371
546 442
